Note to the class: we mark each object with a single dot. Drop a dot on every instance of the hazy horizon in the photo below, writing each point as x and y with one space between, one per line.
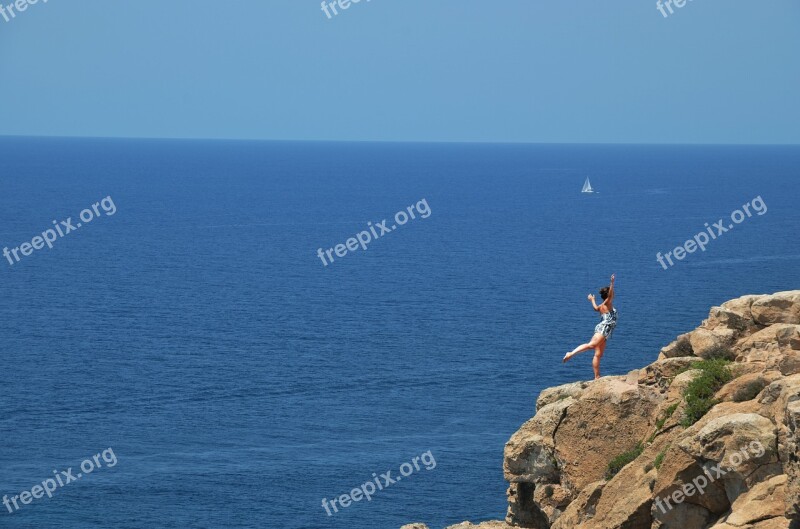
293 140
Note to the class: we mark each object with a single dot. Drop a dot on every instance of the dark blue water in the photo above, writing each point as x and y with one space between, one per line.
239 381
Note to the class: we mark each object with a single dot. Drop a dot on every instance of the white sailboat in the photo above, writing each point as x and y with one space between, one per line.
587 187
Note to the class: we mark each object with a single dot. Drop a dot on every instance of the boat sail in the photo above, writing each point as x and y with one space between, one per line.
587 187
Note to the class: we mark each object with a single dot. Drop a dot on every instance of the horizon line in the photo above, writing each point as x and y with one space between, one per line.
446 142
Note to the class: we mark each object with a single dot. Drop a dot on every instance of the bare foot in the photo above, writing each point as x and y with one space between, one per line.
567 357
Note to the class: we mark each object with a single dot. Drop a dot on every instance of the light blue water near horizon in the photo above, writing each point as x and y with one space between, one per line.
240 382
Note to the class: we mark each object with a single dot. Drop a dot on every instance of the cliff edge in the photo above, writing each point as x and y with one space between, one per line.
706 437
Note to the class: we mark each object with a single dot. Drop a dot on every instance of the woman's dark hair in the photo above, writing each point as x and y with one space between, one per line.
604 292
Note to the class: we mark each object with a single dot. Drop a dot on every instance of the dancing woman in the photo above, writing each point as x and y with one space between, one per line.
603 330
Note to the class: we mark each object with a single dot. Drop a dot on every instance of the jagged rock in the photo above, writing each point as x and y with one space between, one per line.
727 434
551 395
792 457
679 384
552 499
523 509
680 469
627 499
683 515
609 408
736 445
415 526
789 336
781 307
713 343
769 345
484 525
582 507
529 455
765 500
746 387
772 523
662 372
741 306
735 316
680 347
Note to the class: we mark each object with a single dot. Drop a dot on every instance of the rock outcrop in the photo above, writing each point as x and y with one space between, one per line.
634 452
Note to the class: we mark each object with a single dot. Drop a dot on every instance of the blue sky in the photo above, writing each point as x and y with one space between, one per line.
405 70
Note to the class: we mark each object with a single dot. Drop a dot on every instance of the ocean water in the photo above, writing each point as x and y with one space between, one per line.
239 381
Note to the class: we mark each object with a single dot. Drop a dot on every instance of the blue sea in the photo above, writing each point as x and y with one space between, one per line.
239 381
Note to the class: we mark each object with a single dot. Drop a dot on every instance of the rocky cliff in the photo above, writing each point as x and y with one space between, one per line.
706 437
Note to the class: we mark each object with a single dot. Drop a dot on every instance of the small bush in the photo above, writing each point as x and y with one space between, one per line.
660 458
699 394
684 348
719 353
667 414
548 491
750 390
623 459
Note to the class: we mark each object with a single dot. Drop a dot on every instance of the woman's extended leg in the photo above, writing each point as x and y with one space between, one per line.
598 354
596 339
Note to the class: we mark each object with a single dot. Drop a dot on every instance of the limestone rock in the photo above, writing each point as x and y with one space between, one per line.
681 347
662 372
792 458
733 316
781 307
680 469
484 525
745 387
529 455
608 409
582 507
681 516
741 306
626 499
713 343
551 395
523 509
765 500
770 344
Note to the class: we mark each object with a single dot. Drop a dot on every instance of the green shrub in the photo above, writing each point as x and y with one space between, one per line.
623 459
719 353
699 394
660 457
548 491
667 414
750 390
